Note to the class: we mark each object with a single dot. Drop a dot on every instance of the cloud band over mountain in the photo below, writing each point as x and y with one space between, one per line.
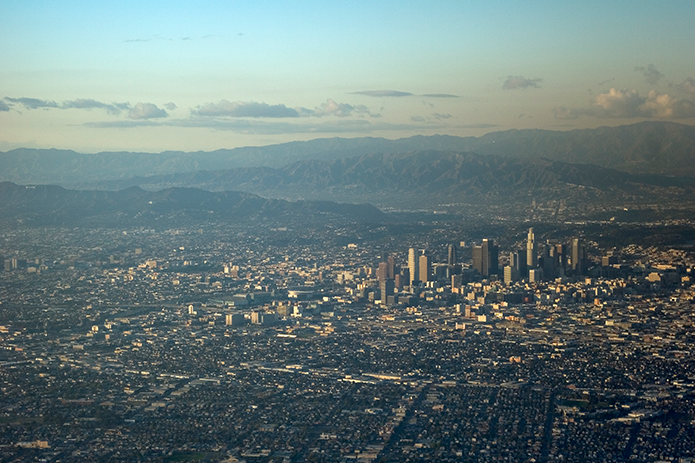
622 103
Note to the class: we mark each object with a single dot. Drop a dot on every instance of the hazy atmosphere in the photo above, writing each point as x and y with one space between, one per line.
347 232
152 76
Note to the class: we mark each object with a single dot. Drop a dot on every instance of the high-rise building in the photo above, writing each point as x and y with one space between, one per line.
486 258
391 268
425 268
399 280
522 265
382 271
577 257
535 275
451 255
550 261
531 257
413 266
387 288
478 258
511 274
493 257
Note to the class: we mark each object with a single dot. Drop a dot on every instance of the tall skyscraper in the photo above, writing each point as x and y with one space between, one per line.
413 266
550 261
382 271
451 255
425 268
478 258
531 257
391 268
493 258
486 258
578 256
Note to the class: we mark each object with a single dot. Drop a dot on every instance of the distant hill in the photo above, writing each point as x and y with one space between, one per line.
663 148
426 177
48 204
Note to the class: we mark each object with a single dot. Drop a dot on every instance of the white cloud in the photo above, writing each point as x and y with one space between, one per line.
170 106
244 109
146 111
261 110
4 106
331 108
667 107
630 104
619 103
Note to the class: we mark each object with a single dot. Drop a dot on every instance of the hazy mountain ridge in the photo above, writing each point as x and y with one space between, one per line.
67 167
648 148
424 176
54 204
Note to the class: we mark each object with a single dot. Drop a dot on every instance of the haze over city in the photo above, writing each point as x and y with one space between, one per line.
150 76
372 232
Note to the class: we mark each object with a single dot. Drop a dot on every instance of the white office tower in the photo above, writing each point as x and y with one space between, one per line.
413 265
531 257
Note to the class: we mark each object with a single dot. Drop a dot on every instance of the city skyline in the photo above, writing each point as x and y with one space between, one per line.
147 77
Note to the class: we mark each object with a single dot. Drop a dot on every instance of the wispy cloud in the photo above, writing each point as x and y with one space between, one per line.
254 126
80 103
331 108
223 109
515 82
146 111
440 95
630 104
651 74
155 38
122 124
263 110
383 93
32 103
145 40
432 117
244 109
396 93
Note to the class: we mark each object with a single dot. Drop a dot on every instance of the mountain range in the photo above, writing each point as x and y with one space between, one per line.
54 205
665 148
643 162
425 177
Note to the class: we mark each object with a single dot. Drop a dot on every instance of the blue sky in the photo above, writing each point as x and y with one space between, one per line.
152 76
